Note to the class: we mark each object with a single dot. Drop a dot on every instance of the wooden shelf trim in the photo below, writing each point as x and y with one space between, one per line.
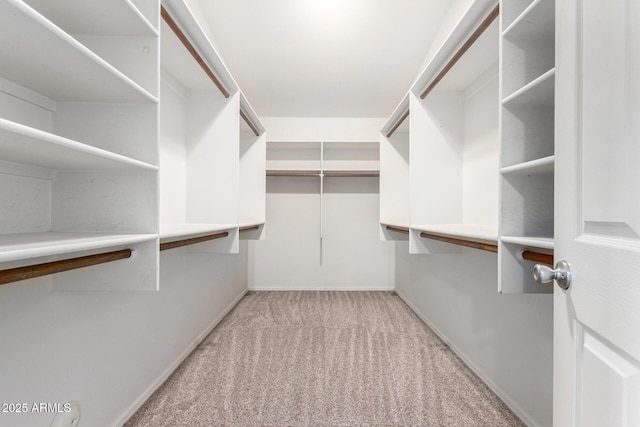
476 34
192 241
460 242
249 123
192 50
537 257
29 272
397 229
249 228
398 123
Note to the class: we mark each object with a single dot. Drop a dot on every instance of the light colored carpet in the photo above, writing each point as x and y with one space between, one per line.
323 359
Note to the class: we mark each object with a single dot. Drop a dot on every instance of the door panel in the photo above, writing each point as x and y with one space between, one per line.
611 380
597 214
611 113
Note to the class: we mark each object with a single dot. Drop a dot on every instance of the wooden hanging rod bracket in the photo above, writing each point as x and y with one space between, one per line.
192 50
461 242
44 269
249 123
398 229
537 257
192 241
249 228
476 34
398 123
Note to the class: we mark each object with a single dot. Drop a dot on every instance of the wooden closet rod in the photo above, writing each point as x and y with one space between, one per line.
398 229
44 269
345 174
476 34
537 257
461 242
192 241
248 122
249 228
192 50
398 123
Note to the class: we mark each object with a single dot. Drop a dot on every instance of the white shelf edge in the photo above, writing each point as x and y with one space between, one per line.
398 113
170 232
293 141
70 144
251 224
476 12
350 170
396 224
58 243
248 110
473 232
521 17
88 53
527 166
537 242
529 86
318 170
154 31
186 20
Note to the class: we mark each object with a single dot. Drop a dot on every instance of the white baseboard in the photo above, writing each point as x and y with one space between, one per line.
280 289
163 377
479 372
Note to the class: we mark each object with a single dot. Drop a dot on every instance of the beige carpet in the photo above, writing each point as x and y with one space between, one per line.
323 359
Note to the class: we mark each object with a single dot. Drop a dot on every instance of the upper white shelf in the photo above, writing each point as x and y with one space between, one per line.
24 144
480 233
181 13
47 60
478 64
96 17
537 20
179 63
397 225
398 122
544 165
170 232
14 247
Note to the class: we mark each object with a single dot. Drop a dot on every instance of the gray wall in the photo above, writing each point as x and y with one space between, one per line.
506 339
109 350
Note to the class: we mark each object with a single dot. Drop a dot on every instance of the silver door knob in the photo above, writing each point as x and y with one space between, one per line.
561 274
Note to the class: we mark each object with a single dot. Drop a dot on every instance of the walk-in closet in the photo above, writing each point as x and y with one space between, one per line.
319 212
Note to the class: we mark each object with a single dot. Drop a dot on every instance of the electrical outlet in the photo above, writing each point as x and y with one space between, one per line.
69 418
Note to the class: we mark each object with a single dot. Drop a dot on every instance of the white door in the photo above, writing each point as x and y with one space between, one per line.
597 213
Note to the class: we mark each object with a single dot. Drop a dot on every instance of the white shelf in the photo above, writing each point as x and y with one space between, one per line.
537 93
480 233
396 224
171 232
99 17
24 144
536 242
14 247
49 61
398 119
537 20
181 13
533 167
250 224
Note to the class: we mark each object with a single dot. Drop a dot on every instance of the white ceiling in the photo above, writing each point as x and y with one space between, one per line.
324 58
